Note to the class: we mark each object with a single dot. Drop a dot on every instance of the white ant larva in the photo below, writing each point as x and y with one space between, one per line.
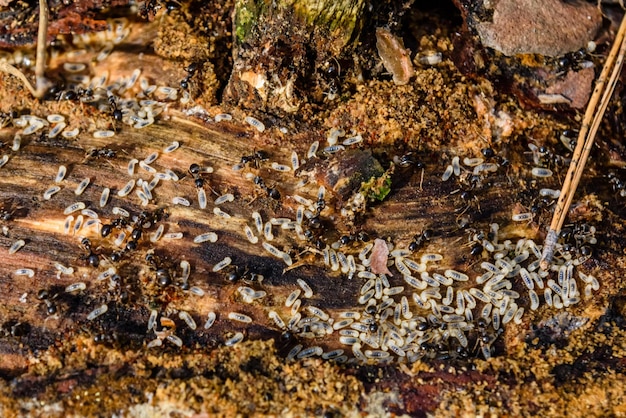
295 162
541 172
100 310
104 197
250 235
178 200
185 316
82 186
312 152
172 147
222 264
210 320
60 174
131 166
236 316
127 188
103 134
255 123
208 236
47 195
202 200
228 197
74 207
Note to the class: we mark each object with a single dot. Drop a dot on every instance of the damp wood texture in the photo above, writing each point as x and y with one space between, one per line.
213 235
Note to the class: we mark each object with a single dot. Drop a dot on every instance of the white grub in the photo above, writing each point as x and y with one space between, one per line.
104 197
219 212
178 200
156 235
287 259
210 320
228 197
185 316
447 173
196 291
70 134
239 317
74 207
173 235
17 245
312 152
255 123
202 200
50 191
223 116
100 310
131 166
308 292
82 186
103 134
120 211
222 264
541 172
4 160
172 147
60 174
75 287
207 236
128 187
280 167
378 258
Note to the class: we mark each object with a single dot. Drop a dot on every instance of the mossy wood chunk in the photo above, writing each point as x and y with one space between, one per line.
284 51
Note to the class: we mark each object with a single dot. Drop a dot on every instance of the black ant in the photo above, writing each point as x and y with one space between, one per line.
243 273
255 158
92 258
420 239
191 70
271 191
116 112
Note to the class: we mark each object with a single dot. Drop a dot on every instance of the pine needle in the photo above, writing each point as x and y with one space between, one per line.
591 122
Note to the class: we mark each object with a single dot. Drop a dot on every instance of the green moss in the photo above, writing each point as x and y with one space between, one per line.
377 188
246 15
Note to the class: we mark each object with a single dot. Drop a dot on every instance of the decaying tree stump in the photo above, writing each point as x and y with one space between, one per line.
104 313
